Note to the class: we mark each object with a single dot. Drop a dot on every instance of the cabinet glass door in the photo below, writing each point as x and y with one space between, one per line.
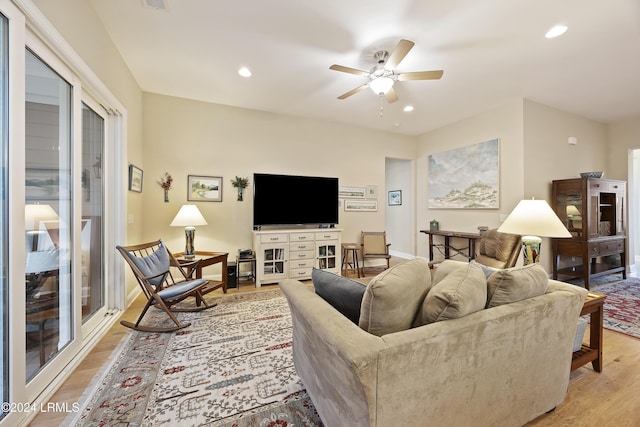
327 256
569 210
274 261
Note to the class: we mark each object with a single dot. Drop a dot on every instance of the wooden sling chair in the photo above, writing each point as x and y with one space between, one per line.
152 264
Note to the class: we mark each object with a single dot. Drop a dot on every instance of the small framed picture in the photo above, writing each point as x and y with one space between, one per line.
352 192
135 179
361 205
372 191
204 188
395 198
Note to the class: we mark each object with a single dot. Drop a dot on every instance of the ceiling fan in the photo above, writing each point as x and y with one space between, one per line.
382 76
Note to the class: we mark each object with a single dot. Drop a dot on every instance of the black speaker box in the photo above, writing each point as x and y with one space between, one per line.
232 275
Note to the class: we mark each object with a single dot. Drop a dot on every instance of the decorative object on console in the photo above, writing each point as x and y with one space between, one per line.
434 225
597 175
165 182
533 219
240 184
204 188
135 179
189 217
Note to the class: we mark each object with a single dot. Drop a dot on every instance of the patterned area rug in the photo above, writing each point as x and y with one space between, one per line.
232 367
622 306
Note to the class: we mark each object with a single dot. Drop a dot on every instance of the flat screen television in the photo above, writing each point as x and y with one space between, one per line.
294 200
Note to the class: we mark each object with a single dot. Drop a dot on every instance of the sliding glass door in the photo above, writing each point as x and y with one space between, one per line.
4 213
92 228
48 214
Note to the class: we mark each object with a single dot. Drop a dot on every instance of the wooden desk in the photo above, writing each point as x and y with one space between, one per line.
207 259
470 249
594 306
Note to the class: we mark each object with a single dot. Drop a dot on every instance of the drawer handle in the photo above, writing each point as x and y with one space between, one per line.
273 238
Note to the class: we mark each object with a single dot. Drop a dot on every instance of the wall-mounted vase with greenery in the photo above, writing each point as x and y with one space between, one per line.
240 184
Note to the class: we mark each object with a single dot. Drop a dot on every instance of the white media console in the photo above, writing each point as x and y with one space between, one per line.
292 253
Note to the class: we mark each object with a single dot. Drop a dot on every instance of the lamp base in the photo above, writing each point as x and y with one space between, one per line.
189 249
531 249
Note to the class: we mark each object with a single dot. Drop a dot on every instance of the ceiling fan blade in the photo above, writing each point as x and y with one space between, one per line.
349 70
391 96
354 91
398 54
421 75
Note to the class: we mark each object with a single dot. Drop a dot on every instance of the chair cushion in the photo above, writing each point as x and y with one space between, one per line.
153 264
494 244
516 284
345 295
392 298
461 292
181 288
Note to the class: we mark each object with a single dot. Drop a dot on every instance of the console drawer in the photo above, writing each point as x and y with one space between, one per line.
274 238
300 273
301 255
301 237
302 246
301 263
327 235
613 247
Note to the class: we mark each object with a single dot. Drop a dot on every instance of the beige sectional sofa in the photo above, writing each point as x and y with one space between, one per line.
498 366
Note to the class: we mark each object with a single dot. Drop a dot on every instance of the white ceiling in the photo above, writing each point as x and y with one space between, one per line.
491 51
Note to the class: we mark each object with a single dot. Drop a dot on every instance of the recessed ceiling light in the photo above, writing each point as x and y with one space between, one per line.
244 72
556 31
408 108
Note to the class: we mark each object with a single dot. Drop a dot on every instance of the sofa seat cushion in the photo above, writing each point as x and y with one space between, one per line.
393 297
516 284
345 295
461 292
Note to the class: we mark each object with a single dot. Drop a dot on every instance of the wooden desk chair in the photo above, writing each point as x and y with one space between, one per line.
151 264
374 246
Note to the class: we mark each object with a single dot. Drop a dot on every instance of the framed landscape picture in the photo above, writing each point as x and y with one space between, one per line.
135 179
352 192
361 205
466 177
204 188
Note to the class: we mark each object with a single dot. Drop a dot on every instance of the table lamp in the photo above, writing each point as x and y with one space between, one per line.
532 219
189 217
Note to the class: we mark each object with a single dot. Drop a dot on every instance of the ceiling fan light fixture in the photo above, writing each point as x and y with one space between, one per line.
381 85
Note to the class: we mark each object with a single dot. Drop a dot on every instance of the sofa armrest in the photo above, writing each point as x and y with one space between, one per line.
336 360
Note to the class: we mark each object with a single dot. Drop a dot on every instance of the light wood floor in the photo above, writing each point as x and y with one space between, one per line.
609 398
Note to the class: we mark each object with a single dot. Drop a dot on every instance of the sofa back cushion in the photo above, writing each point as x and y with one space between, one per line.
345 295
463 291
516 284
392 298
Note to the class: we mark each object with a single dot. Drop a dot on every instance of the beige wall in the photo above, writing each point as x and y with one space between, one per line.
548 155
504 123
78 24
186 137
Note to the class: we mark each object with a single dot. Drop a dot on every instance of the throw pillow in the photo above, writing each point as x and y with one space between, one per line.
516 284
393 297
345 295
461 292
444 268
